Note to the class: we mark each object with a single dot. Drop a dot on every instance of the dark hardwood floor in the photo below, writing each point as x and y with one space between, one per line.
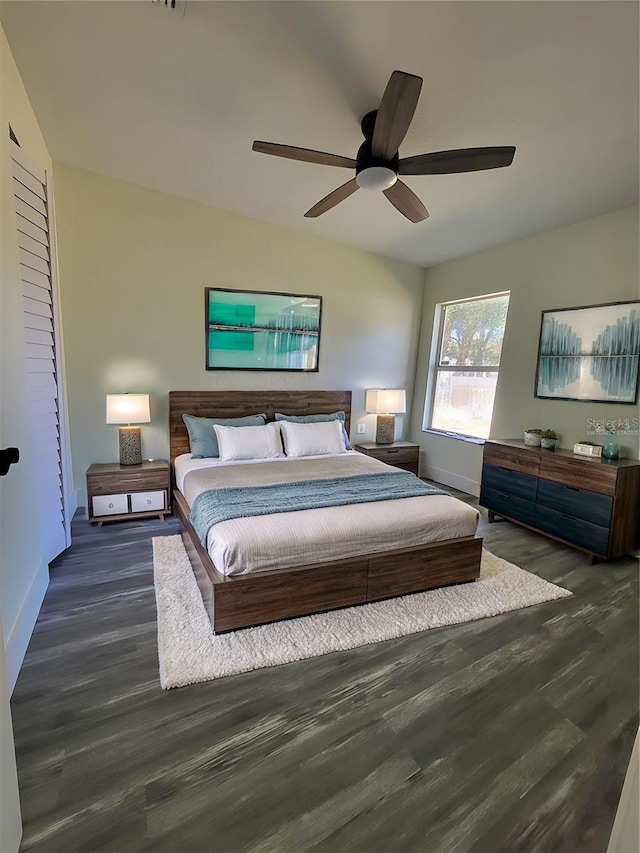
506 734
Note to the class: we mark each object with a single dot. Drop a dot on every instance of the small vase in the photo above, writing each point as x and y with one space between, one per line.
611 448
548 443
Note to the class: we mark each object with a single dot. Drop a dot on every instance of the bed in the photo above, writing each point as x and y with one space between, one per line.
353 565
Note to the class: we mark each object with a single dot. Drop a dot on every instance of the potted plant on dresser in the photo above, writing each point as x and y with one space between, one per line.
548 439
532 437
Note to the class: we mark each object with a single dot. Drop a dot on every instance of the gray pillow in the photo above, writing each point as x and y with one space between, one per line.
317 419
202 436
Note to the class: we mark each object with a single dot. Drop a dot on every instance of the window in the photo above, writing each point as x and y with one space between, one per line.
465 364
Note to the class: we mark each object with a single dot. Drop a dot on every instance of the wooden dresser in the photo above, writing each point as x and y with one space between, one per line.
590 504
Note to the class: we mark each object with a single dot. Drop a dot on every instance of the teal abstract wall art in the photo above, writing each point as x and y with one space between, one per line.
590 353
261 330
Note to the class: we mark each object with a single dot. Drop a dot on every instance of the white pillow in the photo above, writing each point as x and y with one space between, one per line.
249 442
317 439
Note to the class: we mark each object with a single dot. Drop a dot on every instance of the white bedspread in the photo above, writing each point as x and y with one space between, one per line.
244 545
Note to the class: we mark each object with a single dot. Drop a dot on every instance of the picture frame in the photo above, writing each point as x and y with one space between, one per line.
590 354
262 330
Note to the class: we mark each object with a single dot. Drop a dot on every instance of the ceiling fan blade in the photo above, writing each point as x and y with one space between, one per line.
332 199
458 160
395 112
407 202
308 155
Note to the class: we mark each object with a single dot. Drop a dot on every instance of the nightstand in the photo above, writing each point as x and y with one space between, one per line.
401 454
116 492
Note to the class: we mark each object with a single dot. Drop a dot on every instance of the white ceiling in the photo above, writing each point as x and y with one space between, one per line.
172 100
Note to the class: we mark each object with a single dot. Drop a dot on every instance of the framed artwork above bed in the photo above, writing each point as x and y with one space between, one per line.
261 330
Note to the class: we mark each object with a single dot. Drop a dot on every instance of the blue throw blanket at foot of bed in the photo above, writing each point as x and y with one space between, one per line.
216 505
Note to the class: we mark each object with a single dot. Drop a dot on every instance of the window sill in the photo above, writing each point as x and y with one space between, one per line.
468 438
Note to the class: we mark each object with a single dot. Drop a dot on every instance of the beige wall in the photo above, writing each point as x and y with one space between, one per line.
584 264
133 267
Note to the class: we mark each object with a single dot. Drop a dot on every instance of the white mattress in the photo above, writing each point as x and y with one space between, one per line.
185 462
252 544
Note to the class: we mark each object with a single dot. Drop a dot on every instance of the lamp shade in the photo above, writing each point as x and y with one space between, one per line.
386 401
128 409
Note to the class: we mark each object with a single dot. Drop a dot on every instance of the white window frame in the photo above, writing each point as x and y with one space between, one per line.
435 367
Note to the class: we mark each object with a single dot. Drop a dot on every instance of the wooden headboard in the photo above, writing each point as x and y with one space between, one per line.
236 404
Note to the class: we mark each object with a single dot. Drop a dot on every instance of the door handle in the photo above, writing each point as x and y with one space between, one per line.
8 456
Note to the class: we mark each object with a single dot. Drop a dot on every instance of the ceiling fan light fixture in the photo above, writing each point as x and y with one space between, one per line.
376 178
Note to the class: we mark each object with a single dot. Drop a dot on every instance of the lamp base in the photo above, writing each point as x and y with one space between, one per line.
130 445
385 429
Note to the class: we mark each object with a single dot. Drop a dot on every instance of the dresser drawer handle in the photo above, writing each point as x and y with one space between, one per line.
396 450
503 494
572 488
568 517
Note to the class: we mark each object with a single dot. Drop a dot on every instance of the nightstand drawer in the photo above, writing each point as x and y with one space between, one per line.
396 455
147 501
104 484
110 504
400 454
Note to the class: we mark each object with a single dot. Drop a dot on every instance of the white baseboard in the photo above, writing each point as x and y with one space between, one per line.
447 478
22 630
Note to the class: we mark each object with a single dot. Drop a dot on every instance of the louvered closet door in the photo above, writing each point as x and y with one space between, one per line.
42 380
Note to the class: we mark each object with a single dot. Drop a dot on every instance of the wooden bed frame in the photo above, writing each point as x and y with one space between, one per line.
244 600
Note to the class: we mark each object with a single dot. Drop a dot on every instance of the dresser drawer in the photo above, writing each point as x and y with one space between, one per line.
508 505
594 475
509 481
514 458
589 536
147 501
591 506
110 504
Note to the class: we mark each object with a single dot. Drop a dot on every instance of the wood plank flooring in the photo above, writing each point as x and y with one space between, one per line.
506 734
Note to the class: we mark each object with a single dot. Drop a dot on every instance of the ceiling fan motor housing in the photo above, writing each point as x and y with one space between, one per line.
380 174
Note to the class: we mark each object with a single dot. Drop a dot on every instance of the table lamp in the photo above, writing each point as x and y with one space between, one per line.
385 403
129 409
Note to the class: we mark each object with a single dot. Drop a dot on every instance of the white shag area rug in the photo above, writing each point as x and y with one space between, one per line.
189 652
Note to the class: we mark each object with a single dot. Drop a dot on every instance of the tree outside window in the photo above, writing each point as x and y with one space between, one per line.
465 375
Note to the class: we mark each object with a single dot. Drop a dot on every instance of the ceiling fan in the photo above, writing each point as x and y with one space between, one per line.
377 163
